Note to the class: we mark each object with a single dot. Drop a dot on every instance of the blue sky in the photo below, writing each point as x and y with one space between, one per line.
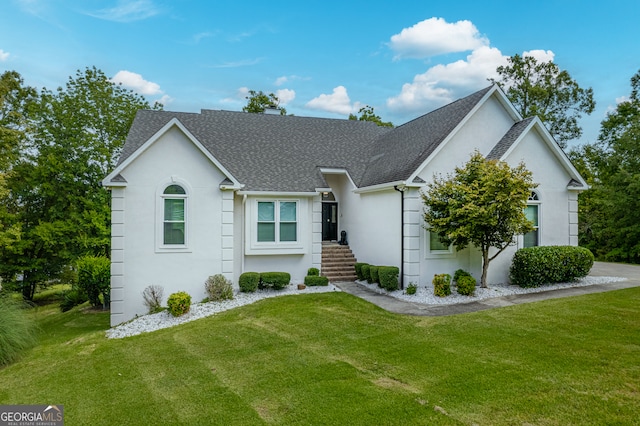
322 58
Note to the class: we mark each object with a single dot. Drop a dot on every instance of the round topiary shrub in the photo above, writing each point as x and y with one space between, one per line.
314 272
249 281
179 303
275 280
388 276
466 285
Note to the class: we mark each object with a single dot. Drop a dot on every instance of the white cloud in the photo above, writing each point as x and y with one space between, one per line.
135 82
435 36
441 84
285 95
540 55
165 100
287 78
127 11
337 102
3 55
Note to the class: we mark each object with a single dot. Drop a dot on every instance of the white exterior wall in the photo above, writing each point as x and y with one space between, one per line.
209 223
295 258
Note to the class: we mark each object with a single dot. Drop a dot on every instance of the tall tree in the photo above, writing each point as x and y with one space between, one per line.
367 114
609 212
258 102
542 89
482 204
55 194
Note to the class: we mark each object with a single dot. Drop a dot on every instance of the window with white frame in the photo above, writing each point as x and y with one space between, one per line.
174 200
277 221
532 238
436 246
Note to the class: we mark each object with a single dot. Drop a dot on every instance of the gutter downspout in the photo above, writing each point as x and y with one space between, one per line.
401 189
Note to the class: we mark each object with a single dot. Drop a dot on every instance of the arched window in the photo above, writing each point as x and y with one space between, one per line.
532 211
174 217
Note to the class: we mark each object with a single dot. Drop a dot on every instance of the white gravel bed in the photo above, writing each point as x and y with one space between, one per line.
425 295
153 322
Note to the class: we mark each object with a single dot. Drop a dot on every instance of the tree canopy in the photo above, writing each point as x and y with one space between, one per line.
482 204
258 102
53 196
609 212
542 89
367 114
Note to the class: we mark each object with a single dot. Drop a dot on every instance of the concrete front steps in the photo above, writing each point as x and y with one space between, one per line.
338 263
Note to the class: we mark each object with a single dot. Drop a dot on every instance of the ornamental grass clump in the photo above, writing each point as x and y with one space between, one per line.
17 330
179 303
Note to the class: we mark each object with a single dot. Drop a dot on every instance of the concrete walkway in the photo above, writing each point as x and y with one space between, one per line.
600 269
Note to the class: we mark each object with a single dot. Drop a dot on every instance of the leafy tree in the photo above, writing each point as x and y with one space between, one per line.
542 89
16 101
54 188
367 114
482 204
258 102
609 212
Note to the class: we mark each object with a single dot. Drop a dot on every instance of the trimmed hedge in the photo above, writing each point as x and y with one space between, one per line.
275 280
314 272
249 282
373 273
314 280
366 272
359 272
388 276
441 285
460 273
466 285
535 266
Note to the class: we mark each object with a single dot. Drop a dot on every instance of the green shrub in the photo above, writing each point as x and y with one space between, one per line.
534 266
73 297
359 272
249 282
152 297
460 273
366 272
218 287
373 274
388 276
441 285
313 280
411 289
17 330
179 303
466 285
94 278
314 272
275 280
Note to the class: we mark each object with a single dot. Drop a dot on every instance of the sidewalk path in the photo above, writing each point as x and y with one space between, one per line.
600 269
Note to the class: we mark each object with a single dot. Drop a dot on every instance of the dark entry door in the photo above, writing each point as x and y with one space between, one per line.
329 221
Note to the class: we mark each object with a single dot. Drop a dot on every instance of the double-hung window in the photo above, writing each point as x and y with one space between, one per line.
277 221
174 199
532 238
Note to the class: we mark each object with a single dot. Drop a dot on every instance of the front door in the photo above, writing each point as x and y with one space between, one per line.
329 221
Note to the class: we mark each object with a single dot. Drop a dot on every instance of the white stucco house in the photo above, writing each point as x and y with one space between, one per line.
197 194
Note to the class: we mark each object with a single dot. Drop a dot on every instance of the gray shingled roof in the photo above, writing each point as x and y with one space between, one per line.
268 152
285 153
509 138
396 155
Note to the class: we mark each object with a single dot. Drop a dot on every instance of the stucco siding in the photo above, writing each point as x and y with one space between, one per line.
171 159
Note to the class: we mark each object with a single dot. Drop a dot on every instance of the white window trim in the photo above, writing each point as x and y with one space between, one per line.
160 246
436 254
534 202
253 246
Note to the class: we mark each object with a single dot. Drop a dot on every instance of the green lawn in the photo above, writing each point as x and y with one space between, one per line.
334 359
